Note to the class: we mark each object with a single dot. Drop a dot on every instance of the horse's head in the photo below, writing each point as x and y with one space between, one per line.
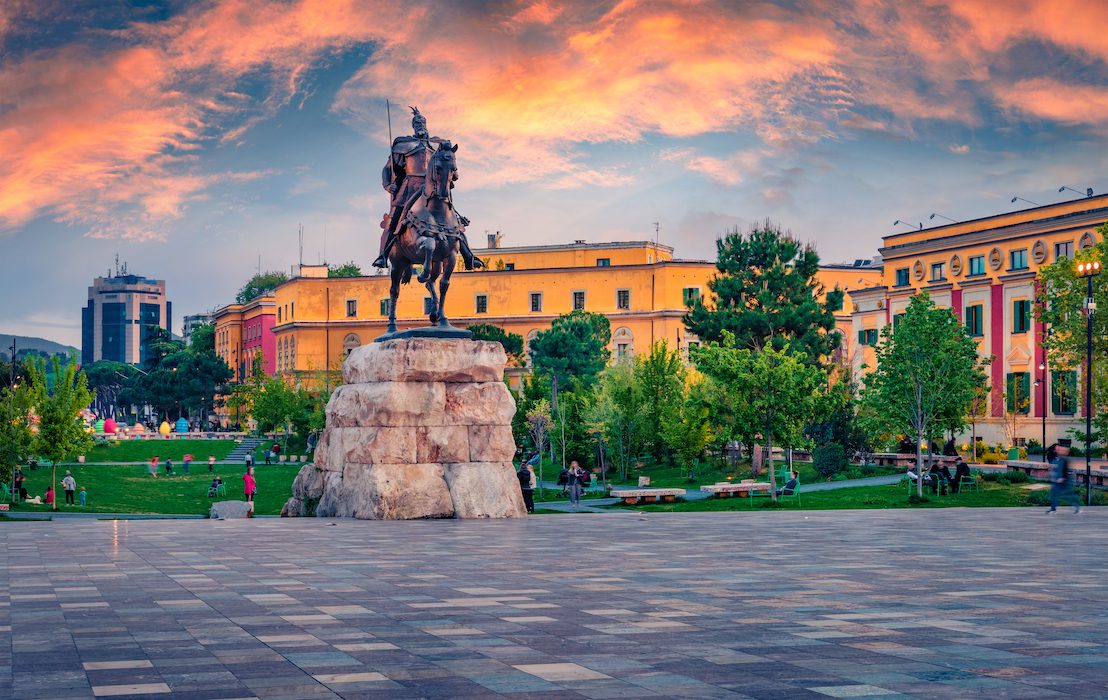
440 172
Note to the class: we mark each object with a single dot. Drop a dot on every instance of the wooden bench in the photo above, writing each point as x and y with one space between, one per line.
726 489
633 496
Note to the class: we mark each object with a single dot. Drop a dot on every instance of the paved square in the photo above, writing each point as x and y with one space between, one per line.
930 604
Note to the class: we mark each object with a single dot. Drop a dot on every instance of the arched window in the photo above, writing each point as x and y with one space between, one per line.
350 342
292 353
527 344
623 340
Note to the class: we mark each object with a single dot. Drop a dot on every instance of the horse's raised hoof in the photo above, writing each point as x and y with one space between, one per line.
423 277
380 262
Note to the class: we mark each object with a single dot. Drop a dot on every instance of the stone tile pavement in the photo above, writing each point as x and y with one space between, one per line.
1005 603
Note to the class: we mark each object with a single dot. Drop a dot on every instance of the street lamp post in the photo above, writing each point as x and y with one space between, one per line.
1042 402
1089 270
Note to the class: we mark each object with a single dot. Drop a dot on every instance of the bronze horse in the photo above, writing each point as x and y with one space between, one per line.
428 236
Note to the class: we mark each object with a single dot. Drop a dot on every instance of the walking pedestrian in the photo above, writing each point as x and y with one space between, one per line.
83 496
211 464
187 460
527 482
169 467
1061 477
69 485
153 466
249 488
575 482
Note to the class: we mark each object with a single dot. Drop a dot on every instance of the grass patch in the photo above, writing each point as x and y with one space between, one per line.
131 489
991 495
145 450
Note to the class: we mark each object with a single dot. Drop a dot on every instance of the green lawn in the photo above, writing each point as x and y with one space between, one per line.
131 489
144 450
865 497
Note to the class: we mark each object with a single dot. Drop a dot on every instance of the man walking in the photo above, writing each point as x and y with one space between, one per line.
1061 478
526 476
70 485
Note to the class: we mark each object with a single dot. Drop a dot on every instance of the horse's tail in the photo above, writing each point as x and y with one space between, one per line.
407 276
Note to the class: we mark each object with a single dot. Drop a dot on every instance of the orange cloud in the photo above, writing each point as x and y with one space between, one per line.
112 137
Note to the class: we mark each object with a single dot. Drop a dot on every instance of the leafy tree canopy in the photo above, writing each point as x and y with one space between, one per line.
767 294
260 284
512 342
927 374
203 338
574 349
347 269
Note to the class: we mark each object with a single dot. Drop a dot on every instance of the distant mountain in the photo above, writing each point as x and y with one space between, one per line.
24 342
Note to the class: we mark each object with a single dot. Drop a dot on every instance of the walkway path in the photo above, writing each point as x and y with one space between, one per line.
650 606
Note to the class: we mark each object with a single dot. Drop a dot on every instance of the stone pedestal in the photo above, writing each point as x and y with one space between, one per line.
420 428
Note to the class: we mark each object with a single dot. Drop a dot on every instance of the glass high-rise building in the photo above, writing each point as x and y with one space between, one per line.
115 322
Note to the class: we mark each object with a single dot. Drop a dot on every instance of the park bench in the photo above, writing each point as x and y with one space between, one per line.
744 489
633 496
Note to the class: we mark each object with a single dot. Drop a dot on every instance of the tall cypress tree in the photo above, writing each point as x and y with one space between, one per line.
767 294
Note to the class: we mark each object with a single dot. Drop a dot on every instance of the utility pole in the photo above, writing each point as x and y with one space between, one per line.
11 381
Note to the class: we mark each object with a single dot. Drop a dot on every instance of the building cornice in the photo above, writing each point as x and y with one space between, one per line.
1079 221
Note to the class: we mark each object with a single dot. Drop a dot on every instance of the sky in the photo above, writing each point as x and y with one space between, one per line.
194 139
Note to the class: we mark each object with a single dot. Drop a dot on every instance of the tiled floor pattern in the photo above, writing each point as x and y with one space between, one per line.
1004 603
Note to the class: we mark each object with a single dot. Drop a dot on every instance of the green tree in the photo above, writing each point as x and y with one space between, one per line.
540 423
767 293
574 349
512 342
16 437
275 403
62 434
1064 295
202 338
780 390
109 380
660 379
348 269
259 285
926 375
617 412
686 428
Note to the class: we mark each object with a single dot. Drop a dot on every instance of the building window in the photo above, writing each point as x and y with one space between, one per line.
603 262
975 320
578 301
509 266
1063 392
689 295
938 272
867 336
1021 316
292 310
1018 259
278 314
428 305
536 302
902 277
1018 396
1063 250
482 303
292 353
384 307
351 341
977 265
351 308
897 318
623 351
623 299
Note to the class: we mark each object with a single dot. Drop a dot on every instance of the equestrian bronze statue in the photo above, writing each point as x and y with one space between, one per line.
422 227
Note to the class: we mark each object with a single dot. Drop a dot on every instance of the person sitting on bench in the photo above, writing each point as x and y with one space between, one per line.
790 486
961 470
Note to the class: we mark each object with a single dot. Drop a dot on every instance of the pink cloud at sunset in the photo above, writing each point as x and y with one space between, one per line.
110 130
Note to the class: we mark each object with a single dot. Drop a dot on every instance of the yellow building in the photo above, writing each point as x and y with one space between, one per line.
638 286
984 270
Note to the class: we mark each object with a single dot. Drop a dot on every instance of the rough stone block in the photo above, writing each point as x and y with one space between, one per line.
485 490
389 492
425 360
442 443
308 484
388 404
227 510
294 508
490 443
487 403
377 445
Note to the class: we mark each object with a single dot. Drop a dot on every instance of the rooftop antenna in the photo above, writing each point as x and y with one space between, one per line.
117 264
301 233
657 229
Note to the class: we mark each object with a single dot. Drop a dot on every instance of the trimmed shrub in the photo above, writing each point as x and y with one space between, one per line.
829 460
